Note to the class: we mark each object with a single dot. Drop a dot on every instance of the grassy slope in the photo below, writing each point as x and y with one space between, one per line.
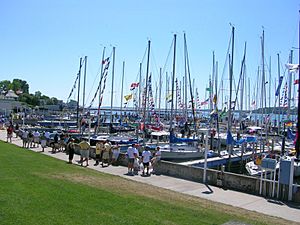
36 189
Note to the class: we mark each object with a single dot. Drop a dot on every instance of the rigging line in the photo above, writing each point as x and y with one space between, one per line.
168 56
96 77
100 83
226 62
154 62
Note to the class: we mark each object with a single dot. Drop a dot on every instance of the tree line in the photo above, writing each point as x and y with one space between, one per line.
21 88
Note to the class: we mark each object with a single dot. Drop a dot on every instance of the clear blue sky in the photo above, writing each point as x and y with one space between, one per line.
41 41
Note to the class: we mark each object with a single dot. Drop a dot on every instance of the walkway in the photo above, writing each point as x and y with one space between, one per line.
234 198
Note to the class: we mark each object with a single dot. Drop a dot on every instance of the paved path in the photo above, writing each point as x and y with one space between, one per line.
234 198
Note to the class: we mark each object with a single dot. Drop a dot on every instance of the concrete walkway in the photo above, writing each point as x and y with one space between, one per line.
236 199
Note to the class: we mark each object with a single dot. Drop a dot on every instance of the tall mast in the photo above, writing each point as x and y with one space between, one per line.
249 94
167 93
298 120
100 81
146 88
123 73
112 86
191 88
263 89
140 86
230 81
78 93
159 97
278 69
290 87
230 93
84 81
185 81
270 82
173 81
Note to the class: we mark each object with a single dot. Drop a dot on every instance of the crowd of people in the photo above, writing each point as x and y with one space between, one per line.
105 153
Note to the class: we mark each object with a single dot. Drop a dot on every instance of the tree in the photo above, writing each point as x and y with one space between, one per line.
5 85
22 85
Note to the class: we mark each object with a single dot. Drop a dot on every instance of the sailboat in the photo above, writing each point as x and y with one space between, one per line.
179 148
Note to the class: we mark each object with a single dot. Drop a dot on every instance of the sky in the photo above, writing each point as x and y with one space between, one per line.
42 41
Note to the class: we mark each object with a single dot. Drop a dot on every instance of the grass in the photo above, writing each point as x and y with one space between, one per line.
37 189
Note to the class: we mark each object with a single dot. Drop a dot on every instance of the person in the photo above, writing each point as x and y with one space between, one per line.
17 130
146 155
30 139
43 141
115 153
85 152
47 135
36 138
106 153
70 149
55 143
131 156
25 138
10 131
99 152
156 158
61 142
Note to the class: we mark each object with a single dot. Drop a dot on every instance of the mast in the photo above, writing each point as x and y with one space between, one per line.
191 88
100 81
84 81
185 80
123 73
297 146
173 81
140 86
159 97
263 89
78 93
290 87
112 86
146 88
279 112
167 94
270 83
230 94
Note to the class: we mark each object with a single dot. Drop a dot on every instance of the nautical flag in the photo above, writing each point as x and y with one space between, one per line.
296 81
208 89
128 97
279 86
292 67
169 98
284 100
223 113
103 78
133 86
215 99
205 102
289 124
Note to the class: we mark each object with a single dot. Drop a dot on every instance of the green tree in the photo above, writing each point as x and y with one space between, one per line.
5 85
19 84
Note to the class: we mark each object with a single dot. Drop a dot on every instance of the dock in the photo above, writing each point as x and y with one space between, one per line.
217 161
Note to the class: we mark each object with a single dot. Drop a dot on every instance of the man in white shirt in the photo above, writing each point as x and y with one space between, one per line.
36 138
131 154
146 155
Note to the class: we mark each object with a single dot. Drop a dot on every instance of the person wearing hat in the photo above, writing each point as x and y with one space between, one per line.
70 149
85 151
99 151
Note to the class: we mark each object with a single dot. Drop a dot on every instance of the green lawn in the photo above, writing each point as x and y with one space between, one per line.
37 189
